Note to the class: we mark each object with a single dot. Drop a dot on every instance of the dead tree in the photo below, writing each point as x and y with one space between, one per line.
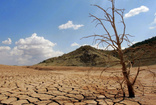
114 40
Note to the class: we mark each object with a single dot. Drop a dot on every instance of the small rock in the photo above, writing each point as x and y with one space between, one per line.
101 97
8 101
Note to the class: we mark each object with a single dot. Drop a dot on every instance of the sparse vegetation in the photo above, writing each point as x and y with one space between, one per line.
148 57
83 56
150 42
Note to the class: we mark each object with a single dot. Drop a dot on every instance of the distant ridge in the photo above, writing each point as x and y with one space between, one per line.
141 54
150 42
83 56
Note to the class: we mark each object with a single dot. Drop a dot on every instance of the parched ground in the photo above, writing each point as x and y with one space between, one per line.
71 86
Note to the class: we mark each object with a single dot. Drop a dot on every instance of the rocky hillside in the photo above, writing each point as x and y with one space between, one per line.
142 53
150 42
83 56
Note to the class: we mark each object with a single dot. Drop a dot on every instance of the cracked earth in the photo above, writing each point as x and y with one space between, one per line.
64 86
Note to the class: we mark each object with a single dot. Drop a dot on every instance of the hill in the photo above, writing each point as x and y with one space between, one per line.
83 56
150 42
142 53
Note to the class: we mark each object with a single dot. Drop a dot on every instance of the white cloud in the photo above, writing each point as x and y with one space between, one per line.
136 11
70 24
5 55
97 46
35 49
151 28
7 41
102 47
153 23
134 42
123 48
34 41
74 44
29 51
4 48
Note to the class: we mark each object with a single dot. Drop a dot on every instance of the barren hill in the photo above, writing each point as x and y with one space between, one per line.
142 53
83 56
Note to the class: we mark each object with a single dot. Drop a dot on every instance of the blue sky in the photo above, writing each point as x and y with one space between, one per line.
34 30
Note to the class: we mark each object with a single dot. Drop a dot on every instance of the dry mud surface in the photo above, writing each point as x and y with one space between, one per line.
69 86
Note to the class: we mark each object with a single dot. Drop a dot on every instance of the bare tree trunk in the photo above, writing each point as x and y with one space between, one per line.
129 84
130 89
126 75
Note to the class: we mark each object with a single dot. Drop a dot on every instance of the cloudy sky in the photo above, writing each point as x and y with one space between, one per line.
34 30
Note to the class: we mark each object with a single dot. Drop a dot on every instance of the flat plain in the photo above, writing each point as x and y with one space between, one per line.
35 85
